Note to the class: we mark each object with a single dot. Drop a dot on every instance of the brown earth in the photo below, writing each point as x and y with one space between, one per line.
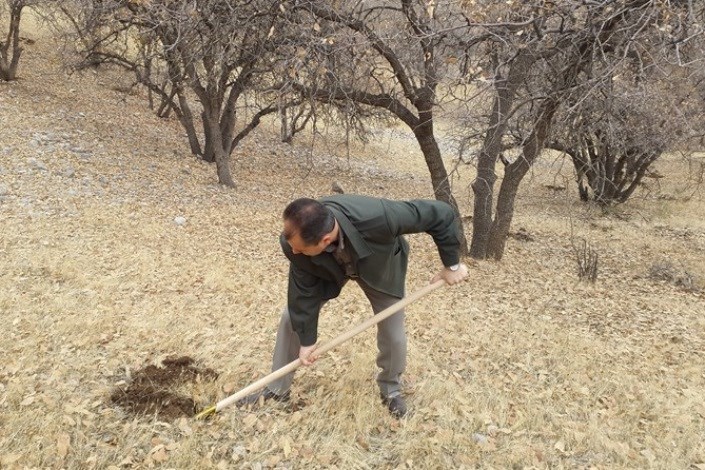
152 389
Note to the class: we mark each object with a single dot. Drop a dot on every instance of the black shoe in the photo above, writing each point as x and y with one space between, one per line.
265 394
396 405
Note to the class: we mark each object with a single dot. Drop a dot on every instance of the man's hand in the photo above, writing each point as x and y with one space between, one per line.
452 277
306 354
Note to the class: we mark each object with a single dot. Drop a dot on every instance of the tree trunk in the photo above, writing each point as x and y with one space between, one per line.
186 119
284 133
513 176
10 51
222 163
211 128
439 175
214 147
610 166
643 164
483 186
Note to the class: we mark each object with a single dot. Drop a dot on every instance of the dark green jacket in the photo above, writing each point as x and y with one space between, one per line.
373 229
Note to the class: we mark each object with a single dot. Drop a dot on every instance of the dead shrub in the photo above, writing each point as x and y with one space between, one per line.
586 258
678 276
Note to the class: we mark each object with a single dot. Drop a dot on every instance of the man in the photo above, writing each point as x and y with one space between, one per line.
341 238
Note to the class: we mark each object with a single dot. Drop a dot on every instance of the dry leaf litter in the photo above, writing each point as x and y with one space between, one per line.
119 251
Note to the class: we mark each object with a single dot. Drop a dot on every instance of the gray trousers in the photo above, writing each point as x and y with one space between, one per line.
391 344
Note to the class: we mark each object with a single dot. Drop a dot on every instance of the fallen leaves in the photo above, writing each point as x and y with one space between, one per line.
6 460
27 401
159 454
63 443
559 446
98 277
285 445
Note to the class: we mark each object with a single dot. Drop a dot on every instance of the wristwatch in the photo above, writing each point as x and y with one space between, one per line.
454 268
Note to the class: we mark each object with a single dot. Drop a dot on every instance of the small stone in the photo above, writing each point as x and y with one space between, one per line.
479 438
4 191
37 164
180 220
337 188
239 451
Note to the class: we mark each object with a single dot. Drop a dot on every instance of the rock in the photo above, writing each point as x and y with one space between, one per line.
239 452
336 188
36 164
4 191
479 438
68 172
83 153
180 220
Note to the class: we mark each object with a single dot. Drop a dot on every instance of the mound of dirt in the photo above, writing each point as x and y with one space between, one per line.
153 389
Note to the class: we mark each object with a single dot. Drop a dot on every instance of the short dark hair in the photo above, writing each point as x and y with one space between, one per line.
310 219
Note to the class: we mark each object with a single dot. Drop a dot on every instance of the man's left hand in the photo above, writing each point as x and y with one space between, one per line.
452 277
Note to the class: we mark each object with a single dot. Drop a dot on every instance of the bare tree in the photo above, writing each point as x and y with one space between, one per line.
388 56
211 55
545 58
645 106
10 46
614 138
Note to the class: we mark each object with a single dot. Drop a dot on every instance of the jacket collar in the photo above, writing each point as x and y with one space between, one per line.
352 236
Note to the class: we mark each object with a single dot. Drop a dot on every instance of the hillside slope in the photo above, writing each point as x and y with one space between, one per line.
522 366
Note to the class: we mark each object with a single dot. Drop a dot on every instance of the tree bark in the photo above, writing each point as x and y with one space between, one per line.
10 50
513 176
483 185
186 119
214 145
439 175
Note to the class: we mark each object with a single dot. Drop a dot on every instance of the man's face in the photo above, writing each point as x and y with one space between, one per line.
299 247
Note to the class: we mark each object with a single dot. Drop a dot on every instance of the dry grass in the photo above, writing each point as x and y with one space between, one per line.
521 367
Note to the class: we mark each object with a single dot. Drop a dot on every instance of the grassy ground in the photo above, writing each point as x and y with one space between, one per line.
521 367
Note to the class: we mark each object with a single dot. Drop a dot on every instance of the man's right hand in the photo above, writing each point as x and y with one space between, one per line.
452 277
306 355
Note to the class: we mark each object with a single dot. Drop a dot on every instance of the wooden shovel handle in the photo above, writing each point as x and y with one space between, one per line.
338 340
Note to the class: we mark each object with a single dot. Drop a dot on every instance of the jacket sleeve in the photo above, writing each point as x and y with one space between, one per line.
433 217
305 297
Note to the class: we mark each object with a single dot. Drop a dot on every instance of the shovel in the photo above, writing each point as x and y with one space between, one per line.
338 340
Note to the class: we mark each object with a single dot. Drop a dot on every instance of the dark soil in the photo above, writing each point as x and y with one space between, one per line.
152 390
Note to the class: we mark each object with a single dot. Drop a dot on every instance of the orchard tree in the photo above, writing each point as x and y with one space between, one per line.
388 57
614 138
10 45
648 105
208 61
548 61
